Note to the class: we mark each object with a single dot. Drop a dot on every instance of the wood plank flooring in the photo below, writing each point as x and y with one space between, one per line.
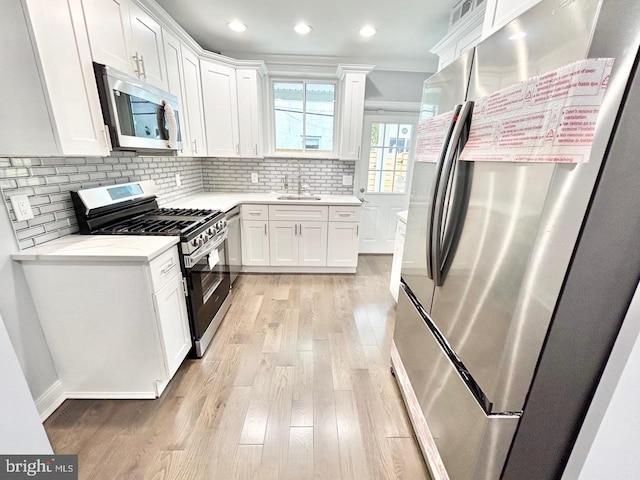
295 386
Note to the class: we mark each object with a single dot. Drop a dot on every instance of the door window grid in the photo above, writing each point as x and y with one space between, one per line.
390 147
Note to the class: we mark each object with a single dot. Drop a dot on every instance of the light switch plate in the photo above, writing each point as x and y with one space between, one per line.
254 177
21 207
178 180
347 180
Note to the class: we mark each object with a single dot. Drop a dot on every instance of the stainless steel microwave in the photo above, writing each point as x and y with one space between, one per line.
139 116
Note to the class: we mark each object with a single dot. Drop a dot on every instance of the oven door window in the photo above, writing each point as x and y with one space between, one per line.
141 118
210 286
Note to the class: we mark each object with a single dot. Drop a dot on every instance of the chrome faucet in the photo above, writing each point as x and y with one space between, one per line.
286 176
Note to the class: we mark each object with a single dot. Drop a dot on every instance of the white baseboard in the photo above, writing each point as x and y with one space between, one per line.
273 269
50 400
112 395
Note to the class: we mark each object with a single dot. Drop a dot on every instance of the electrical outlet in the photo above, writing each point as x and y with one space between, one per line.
347 180
21 207
254 177
178 180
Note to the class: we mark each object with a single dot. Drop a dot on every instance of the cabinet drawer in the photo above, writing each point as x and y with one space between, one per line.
164 268
298 212
344 214
255 212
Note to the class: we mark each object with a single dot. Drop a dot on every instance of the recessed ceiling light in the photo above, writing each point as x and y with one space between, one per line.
368 31
516 36
237 26
302 28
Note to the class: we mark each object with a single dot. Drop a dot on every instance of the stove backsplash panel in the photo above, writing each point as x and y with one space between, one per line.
48 181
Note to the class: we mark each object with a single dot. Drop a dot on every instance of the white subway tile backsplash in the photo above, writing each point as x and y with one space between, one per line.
47 182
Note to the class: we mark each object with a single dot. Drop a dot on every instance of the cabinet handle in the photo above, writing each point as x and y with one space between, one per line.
167 269
344 214
144 69
300 229
358 151
256 149
295 230
265 229
136 59
357 230
238 148
194 144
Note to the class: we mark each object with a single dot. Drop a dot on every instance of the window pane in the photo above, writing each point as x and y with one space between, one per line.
390 134
400 182
386 183
377 134
288 98
319 119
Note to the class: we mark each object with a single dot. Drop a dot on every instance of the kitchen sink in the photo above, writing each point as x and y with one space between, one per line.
293 196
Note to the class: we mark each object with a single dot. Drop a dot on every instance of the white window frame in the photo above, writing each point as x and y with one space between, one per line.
271 118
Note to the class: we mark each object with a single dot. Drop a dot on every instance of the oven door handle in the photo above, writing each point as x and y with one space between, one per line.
205 250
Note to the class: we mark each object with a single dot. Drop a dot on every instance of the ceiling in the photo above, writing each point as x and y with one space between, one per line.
407 29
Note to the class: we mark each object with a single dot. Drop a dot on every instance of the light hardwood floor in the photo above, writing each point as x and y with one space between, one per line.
296 385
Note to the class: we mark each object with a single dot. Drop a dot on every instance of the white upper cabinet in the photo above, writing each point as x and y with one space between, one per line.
175 84
249 111
50 88
148 49
126 38
193 104
352 81
109 30
219 93
465 31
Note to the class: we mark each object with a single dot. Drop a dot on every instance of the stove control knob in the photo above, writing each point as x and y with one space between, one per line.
224 223
194 242
211 231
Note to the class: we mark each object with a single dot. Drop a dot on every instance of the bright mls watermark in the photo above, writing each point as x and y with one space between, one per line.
51 467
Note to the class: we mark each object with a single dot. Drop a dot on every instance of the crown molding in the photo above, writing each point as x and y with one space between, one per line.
475 20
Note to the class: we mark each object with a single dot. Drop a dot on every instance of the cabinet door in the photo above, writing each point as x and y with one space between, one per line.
219 94
193 103
109 30
65 59
283 243
175 84
171 311
249 110
352 116
255 243
342 250
312 241
147 45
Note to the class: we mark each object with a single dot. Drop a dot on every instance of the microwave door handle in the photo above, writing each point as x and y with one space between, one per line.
447 170
170 117
434 189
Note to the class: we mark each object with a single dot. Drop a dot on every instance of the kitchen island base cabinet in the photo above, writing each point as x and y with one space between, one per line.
115 329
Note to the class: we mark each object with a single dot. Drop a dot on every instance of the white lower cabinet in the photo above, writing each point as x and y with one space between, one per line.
396 265
115 328
298 238
171 311
255 243
298 244
342 250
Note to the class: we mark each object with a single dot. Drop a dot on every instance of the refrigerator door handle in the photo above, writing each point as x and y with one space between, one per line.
434 190
437 251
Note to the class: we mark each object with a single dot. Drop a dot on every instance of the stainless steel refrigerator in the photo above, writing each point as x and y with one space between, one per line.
490 246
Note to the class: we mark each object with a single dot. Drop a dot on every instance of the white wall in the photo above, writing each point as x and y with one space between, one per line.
22 432
607 446
20 317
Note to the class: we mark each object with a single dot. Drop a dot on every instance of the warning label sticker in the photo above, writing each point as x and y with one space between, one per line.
548 118
430 137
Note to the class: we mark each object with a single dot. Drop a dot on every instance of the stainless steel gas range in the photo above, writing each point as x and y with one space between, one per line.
132 209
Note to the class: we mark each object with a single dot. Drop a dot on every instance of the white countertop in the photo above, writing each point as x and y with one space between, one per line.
403 216
88 248
226 201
